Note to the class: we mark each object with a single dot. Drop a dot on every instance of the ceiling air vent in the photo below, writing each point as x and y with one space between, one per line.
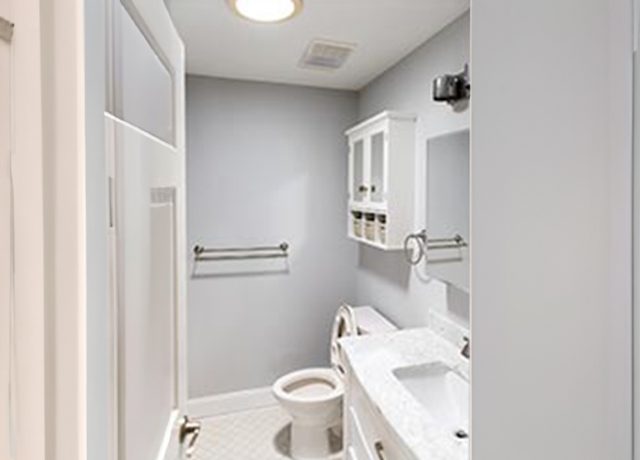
326 55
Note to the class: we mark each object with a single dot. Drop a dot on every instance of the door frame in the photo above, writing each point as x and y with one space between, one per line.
48 117
28 229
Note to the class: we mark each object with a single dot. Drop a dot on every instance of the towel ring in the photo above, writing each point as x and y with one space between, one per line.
421 243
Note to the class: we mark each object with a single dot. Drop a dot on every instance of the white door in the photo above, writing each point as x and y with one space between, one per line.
5 238
145 147
149 235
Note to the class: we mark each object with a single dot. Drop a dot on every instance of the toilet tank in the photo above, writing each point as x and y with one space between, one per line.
371 321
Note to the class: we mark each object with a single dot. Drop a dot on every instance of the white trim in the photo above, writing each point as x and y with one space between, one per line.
387 114
112 334
64 125
226 403
29 275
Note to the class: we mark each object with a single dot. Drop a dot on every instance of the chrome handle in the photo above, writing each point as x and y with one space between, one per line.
466 348
189 427
380 450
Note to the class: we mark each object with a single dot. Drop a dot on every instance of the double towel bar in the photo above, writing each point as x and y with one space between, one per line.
204 254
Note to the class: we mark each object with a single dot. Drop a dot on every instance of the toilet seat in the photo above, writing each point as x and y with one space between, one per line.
344 325
309 385
317 385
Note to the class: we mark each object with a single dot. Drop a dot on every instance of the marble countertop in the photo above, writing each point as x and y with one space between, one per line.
372 358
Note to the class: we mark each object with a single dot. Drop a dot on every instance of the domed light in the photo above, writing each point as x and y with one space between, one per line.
266 10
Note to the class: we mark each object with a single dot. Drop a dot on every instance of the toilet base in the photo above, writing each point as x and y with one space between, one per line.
310 442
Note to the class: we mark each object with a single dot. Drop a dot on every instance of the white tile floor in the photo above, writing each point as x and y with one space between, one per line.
260 434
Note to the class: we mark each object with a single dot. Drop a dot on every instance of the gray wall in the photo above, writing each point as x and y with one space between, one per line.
551 167
385 279
265 163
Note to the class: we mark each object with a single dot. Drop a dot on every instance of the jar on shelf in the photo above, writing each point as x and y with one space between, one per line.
356 222
382 228
370 226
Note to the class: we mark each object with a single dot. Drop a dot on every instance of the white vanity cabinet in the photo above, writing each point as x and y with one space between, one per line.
366 435
381 185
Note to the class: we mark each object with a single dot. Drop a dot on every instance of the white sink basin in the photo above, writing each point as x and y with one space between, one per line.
442 391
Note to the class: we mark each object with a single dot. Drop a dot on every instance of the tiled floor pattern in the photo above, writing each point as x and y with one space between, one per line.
260 434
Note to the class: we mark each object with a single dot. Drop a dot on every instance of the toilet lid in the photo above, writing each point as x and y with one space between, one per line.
344 325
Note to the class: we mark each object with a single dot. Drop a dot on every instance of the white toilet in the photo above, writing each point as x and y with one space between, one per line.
313 397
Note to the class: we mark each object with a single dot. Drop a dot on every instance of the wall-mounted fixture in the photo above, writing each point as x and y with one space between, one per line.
424 244
266 10
205 254
452 88
381 194
326 55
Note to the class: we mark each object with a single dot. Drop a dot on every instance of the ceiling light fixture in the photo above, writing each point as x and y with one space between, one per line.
266 10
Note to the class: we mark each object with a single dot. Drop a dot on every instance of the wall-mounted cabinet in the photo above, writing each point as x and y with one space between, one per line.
381 186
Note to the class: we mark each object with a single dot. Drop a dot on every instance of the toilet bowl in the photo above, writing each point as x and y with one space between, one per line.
313 397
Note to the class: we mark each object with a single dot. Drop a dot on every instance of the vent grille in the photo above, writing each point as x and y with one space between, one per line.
326 55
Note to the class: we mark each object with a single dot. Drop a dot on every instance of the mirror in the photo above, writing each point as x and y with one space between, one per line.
447 207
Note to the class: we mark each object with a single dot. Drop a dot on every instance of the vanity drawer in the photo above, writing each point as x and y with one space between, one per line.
369 436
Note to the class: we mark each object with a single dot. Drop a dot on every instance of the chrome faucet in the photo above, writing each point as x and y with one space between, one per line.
466 349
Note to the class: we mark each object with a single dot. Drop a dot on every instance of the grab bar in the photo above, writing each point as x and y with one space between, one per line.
273 252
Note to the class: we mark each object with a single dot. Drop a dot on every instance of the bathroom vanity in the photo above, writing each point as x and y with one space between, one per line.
407 395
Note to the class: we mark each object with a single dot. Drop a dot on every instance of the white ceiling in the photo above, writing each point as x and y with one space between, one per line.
221 44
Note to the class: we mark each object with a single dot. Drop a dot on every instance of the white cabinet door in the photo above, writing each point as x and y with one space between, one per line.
368 168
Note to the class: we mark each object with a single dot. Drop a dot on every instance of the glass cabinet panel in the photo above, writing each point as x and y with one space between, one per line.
377 167
359 188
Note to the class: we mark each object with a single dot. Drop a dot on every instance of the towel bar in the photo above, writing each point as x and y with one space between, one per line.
241 253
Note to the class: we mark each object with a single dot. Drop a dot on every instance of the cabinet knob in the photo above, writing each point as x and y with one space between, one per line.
373 189
363 188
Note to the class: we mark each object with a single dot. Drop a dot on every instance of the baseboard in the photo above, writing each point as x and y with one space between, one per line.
227 403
